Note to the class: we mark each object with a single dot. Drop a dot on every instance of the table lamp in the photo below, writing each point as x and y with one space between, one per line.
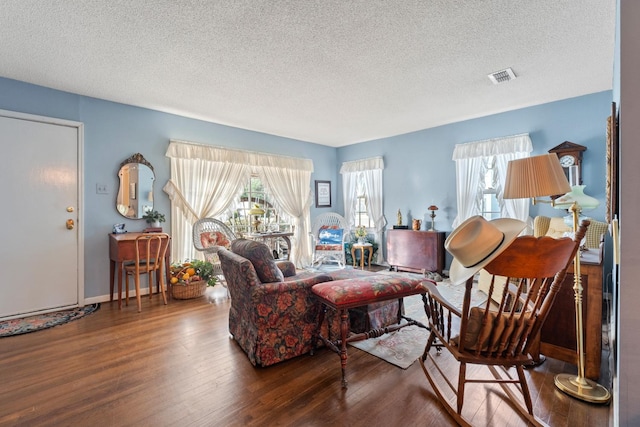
576 195
433 209
542 176
257 212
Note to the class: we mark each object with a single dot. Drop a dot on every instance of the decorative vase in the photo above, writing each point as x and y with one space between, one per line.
155 224
361 240
417 223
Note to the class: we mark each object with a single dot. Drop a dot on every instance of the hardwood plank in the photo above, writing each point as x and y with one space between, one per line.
177 365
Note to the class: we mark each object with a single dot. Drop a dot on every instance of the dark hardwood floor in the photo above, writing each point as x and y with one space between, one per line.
176 365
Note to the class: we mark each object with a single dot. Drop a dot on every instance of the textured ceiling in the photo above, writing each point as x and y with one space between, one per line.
333 72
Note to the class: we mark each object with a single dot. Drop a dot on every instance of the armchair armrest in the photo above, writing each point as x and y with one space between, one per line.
288 268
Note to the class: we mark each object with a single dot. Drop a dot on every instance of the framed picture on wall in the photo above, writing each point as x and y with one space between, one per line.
323 194
612 164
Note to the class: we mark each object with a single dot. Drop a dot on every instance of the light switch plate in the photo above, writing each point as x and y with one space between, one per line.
102 189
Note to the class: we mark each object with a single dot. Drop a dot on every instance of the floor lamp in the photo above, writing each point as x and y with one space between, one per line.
579 386
542 176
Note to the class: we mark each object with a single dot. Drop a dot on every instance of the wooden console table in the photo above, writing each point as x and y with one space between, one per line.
558 335
417 251
122 248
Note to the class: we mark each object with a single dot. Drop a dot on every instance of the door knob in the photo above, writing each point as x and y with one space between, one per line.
70 224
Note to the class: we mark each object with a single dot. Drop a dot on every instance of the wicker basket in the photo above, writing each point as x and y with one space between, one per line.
190 290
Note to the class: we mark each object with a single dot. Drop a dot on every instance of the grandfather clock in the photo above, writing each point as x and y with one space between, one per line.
570 155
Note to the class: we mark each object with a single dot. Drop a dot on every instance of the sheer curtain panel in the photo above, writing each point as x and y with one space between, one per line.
291 189
204 182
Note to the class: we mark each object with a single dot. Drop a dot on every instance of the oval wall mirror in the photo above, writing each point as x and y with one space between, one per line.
135 195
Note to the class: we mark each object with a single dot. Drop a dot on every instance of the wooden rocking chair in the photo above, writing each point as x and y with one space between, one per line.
502 331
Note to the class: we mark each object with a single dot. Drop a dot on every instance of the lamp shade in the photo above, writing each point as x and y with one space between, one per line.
576 195
536 176
256 210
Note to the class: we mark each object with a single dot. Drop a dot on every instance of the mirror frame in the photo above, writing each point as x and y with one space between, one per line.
137 158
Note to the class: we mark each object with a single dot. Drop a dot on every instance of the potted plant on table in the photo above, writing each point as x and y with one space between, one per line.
154 218
361 234
362 238
191 278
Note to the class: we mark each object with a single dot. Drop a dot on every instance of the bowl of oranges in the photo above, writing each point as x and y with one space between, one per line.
191 278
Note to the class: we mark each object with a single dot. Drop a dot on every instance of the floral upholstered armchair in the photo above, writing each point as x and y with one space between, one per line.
273 312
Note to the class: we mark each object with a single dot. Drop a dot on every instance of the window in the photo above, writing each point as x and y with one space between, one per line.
481 169
362 192
242 222
490 208
362 217
205 181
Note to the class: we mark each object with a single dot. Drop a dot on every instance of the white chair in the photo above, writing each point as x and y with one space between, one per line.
328 236
209 235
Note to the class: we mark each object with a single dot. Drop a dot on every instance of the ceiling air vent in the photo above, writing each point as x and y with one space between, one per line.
502 76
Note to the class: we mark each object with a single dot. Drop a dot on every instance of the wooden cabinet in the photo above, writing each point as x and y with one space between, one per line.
416 251
558 335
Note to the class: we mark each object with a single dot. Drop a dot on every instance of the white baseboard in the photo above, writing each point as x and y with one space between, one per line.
107 297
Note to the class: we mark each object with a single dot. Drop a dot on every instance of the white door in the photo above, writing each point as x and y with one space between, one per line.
40 257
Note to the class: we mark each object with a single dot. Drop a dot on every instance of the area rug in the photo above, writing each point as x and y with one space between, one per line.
43 321
404 346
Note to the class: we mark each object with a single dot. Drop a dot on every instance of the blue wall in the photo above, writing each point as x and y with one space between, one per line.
113 132
419 170
418 166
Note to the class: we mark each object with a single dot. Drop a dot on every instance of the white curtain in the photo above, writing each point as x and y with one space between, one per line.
349 189
371 172
291 189
512 208
203 184
469 159
469 188
206 180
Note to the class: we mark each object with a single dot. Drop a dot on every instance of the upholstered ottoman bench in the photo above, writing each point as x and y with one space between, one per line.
342 295
371 316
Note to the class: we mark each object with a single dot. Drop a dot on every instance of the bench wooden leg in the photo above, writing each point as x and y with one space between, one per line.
340 345
344 333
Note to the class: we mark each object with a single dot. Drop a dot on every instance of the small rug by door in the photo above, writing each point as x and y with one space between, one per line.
43 321
404 346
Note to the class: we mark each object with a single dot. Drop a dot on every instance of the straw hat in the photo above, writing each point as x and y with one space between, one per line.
476 242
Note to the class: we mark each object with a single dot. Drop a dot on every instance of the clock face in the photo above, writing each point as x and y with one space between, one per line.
567 161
